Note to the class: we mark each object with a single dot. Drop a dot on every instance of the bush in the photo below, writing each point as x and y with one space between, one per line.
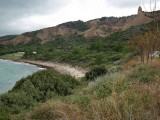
82 101
94 85
115 57
55 110
17 101
97 46
106 89
79 25
36 88
95 72
4 112
99 59
46 84
144 74
115 69
118 62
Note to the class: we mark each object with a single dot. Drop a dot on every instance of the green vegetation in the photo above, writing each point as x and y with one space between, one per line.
37 88
115 69
144 74
8 37
18 55
95 72
113 95
74 50
79 25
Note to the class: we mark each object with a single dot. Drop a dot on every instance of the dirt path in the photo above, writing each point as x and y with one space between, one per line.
77 72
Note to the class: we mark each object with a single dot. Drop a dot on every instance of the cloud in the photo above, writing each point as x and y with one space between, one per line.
130 3
12 11
123 3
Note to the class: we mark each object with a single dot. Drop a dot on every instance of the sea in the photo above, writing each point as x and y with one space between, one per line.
11 72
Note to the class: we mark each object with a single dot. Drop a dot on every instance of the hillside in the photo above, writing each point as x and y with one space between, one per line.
7 37
78 50
102 27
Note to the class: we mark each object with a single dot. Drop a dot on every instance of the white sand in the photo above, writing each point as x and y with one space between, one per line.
76 72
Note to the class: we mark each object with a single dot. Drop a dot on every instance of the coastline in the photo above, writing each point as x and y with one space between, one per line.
60 68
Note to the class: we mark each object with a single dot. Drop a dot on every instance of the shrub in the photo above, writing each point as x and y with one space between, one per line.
4 112
36 88
82 101
17 101
118 62
99 59
144 74
46 84
79 25
130 56
95 72
55 110
97 46
105 89
115 57
115 69
94 85
119 47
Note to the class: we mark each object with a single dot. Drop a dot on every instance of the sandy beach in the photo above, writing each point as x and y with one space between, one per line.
76 72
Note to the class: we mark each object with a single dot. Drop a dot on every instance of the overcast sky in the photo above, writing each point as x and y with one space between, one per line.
18 16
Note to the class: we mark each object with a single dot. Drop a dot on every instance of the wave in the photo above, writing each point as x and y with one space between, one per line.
21 63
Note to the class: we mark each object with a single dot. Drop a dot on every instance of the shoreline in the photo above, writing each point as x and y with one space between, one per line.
60 68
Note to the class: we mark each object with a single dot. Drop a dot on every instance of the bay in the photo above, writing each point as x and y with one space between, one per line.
11 72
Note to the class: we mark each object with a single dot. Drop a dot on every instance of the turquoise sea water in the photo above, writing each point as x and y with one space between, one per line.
10 72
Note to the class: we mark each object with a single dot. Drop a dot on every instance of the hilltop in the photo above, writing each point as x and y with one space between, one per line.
101 27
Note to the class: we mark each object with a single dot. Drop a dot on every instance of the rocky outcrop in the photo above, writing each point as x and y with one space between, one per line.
140 10
139 19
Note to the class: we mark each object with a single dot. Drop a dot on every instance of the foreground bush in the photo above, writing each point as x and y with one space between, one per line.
4 113
94 85
46 84
17 101
36 88
95 72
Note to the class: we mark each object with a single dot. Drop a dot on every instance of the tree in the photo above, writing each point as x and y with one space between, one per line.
146 44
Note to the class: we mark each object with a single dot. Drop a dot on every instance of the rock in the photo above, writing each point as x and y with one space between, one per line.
140 10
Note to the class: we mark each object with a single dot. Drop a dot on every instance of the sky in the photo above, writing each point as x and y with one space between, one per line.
19 16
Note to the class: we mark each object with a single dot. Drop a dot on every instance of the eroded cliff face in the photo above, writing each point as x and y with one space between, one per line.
95 28
19 39
111 25
49 34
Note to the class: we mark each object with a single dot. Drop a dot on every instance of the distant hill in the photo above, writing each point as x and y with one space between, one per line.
7 37
101 27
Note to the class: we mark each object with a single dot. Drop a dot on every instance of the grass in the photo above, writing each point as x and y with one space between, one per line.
18 55
121 95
